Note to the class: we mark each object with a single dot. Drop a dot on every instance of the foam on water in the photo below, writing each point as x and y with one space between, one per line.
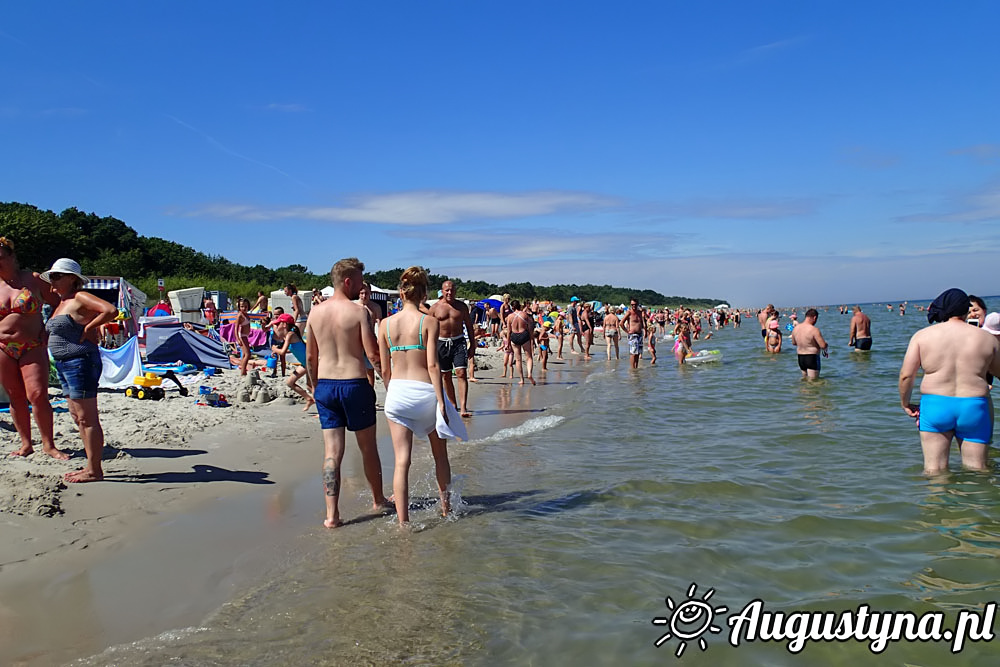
533 425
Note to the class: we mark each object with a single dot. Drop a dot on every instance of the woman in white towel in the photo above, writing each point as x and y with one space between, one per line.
414 402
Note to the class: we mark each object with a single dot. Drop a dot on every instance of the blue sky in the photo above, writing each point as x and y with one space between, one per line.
786 152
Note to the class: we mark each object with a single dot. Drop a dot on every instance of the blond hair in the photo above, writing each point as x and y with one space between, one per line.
413 284
343 268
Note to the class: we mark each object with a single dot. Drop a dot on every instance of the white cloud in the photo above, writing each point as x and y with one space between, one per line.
734 208
981 152
982 205
422 208
521 244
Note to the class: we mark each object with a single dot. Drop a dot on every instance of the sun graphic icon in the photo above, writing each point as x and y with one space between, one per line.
689 620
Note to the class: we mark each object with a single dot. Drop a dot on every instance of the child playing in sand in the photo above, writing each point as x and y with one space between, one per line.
291 335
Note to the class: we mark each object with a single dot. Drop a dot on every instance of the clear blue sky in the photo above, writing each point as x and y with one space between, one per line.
793 152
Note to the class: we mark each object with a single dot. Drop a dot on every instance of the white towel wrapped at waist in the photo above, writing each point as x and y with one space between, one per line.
412 404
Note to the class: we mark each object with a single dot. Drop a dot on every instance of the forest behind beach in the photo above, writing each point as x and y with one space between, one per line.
107 246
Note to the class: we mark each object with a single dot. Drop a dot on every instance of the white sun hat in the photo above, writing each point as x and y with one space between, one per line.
64 265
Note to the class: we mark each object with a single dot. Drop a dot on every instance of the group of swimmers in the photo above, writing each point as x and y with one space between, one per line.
958 362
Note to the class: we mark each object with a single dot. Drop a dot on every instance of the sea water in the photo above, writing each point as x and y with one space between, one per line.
621 495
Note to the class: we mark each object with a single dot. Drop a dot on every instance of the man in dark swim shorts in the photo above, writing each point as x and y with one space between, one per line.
809 341
861 330
339 339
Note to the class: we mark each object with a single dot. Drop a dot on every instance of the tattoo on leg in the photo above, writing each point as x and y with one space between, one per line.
331 478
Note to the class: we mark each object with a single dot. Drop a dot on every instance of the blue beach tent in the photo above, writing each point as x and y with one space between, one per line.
169 343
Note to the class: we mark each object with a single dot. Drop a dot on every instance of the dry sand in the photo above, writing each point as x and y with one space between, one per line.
149 459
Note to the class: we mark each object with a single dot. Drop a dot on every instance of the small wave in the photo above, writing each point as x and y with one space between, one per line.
141 646
527 428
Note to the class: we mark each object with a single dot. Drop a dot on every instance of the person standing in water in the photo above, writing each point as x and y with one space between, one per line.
634 325
810 343
611 332
338 337
454 345
861 330
415 403
955 401
521 329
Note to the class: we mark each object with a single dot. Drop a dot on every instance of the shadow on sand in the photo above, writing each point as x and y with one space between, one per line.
200 473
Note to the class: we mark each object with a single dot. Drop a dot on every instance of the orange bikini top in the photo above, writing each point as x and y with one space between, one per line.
25 303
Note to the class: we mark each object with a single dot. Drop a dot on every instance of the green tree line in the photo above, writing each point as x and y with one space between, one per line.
106 246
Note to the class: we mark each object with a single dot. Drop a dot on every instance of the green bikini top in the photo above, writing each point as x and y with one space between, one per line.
403 348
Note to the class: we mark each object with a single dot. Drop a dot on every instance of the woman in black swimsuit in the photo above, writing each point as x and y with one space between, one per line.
520 325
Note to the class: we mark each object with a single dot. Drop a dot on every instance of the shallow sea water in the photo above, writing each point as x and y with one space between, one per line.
621 488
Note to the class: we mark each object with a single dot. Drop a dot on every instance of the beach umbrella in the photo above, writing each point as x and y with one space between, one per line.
486 303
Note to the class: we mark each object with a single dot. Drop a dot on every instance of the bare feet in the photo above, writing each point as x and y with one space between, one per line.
532 380
386 506
82 475
55 453
311 402
332 523
473 379
521 381
466 413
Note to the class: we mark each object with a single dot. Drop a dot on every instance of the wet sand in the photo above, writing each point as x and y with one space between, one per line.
189 523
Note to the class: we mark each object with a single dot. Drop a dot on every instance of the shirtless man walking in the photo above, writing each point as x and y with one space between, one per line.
634 325
955 399
762 317
861 330
452 350
809 341
339 338
375 315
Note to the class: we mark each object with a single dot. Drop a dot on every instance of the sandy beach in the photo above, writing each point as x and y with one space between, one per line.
162 459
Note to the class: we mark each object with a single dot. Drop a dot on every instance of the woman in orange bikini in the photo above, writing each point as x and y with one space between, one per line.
24 364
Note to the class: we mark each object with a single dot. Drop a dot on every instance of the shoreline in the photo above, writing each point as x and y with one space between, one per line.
266 495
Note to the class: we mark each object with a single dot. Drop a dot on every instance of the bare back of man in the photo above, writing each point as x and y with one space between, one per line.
340 337
861 330
454 348
955 398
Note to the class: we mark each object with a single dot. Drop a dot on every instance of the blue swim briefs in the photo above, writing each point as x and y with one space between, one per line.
341 403
968 416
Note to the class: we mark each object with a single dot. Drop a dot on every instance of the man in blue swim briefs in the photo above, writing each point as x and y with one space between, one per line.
955 401
339 339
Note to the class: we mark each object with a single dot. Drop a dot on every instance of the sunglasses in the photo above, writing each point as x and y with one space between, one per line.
55 276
